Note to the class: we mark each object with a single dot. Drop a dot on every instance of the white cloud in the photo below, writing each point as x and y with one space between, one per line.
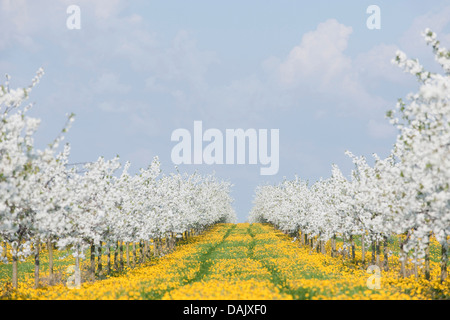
320 54
319 66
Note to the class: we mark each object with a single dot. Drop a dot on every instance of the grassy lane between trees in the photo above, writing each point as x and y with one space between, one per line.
244 261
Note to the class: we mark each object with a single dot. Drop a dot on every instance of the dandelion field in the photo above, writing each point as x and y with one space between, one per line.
236 262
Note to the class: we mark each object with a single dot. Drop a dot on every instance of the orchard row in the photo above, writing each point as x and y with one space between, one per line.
45 199
407 194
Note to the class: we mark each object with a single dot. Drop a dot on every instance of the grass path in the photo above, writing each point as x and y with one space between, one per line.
244 261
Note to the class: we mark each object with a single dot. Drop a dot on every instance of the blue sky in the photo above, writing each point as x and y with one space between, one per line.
137 70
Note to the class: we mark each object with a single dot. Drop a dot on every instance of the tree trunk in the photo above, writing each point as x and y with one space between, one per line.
363 249
77 268
146 250
121 264
385 253
128 254
5 252
116 255
92 260
134 254
156 250
141 247
352 242
167 244
333 246
36 263
403 265
403 255
444 261
318 245
373 252
92 267
50 260
427 263
15 270
427 259
416 270
377 245
172 241
99 260
108 258
344 248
